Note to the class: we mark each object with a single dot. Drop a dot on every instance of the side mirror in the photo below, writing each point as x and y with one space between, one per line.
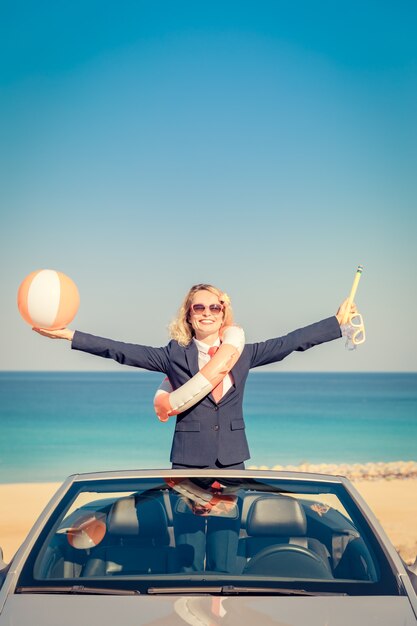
412 572
3 569
2 563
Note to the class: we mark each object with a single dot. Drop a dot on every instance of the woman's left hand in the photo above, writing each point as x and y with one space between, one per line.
343 313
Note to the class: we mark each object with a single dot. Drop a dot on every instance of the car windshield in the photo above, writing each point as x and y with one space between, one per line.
157 534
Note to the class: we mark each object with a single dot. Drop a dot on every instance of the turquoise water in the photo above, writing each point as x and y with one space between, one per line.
55 424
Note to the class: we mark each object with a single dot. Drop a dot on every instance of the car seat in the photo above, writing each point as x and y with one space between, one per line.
137 540
276 542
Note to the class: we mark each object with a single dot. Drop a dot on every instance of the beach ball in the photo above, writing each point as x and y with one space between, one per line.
87 532
48 299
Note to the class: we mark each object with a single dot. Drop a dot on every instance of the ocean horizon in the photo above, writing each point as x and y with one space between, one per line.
53 424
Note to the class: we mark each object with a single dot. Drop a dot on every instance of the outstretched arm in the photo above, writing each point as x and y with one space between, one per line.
136 355
299 340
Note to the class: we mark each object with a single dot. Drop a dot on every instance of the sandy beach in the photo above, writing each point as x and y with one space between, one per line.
389 489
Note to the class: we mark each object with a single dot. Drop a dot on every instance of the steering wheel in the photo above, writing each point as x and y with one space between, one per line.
288 561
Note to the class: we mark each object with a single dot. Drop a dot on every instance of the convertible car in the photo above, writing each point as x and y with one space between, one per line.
206 548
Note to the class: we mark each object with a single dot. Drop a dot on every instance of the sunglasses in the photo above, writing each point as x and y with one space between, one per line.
215 309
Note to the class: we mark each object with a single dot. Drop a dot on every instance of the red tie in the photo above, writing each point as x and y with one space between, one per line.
217 392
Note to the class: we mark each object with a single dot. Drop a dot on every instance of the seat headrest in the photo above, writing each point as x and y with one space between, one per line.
142 516
122 519
153 521
277 516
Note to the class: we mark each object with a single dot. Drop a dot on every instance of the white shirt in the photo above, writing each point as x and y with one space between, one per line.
204 357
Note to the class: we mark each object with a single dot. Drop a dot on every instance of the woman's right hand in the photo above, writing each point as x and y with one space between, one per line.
60 333
343 312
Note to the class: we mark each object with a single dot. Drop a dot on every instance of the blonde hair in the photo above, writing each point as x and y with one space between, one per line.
180 328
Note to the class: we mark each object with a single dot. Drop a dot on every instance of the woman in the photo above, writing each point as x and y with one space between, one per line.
211 434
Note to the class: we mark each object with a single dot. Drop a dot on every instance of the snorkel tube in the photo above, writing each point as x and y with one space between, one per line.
352 325
352 294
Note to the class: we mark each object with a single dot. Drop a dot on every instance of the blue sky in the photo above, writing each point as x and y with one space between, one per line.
265 147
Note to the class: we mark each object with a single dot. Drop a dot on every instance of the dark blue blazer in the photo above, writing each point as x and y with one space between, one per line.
208 431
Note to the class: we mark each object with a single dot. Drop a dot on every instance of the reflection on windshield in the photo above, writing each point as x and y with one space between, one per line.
244 529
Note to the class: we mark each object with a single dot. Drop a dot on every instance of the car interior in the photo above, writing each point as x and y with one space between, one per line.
244 531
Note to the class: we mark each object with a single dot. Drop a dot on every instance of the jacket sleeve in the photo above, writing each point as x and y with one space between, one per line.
147 357
274 350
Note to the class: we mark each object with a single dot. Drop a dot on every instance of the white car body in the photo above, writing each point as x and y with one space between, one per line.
94 601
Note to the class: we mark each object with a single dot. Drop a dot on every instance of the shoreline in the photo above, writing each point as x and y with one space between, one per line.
389 489
391 470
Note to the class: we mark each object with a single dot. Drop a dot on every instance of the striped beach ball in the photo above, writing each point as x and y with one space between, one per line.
48 299
87 532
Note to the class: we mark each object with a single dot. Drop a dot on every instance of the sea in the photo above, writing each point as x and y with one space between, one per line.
53 424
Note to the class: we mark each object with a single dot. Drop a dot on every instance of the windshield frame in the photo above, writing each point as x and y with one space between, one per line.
387 584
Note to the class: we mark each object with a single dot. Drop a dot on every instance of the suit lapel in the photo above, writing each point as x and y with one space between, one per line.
237 374
191 355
